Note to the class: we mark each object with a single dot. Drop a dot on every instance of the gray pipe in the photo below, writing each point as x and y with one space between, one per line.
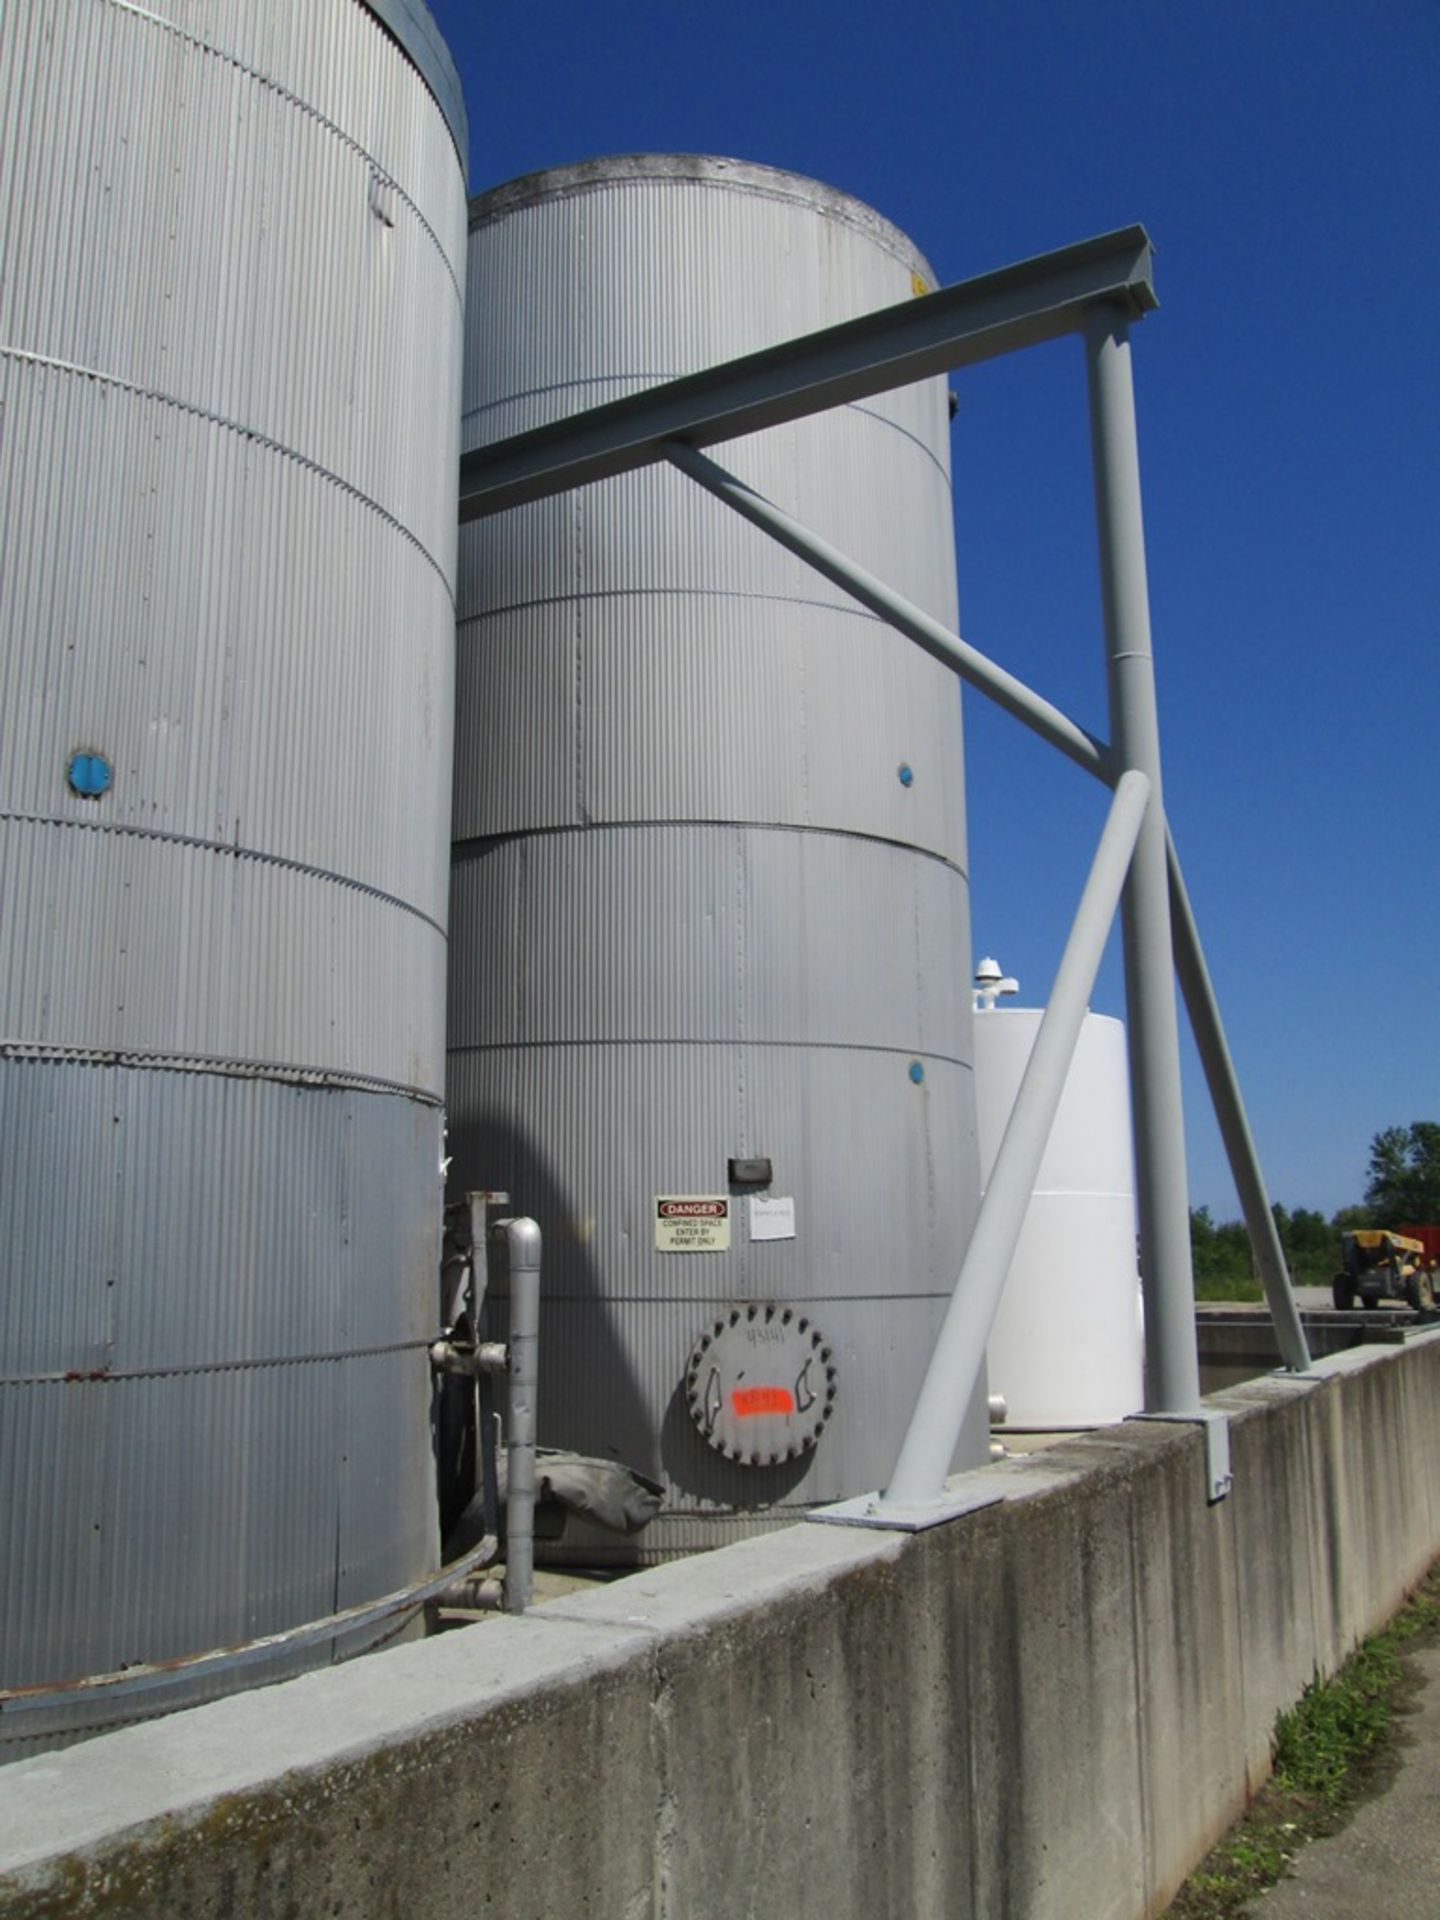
950 1380
1229 1105
1172 1378
902 614
222 1660
522 1239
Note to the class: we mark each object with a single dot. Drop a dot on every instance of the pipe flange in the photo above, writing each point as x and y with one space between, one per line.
761 1383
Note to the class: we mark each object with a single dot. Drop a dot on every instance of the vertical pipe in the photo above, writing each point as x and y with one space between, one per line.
1229 1106
522 1238
479 1253
959 1353
489 1474
1172 1362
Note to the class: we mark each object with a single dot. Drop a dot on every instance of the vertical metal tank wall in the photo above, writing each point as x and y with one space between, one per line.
1067 1348
230 322
710 895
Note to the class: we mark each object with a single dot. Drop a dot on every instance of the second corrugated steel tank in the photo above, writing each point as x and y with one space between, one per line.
709 891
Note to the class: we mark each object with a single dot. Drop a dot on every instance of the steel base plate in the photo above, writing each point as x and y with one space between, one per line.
964 1494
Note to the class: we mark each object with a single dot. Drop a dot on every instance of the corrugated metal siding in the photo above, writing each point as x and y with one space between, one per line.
670 941
881 1170
880 1351
229 383
585 1136
265 662
208 236
229 1438
705 707
151 947
751 925
336 58
679 273
655 530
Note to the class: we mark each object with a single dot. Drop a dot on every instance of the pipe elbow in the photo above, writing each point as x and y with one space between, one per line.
522 1241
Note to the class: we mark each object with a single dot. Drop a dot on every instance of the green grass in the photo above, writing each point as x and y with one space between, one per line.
1227 1286
1327 1750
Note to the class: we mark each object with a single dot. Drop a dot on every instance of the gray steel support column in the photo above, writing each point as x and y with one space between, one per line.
959 1353
1225 1096
1172 1364
928 634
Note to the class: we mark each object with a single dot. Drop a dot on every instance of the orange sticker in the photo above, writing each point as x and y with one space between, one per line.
748 1401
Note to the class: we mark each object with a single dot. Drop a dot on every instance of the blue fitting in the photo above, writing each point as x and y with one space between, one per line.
907 774
917 1071
90 775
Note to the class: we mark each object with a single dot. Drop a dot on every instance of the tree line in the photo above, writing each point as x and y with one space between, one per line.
1402 1188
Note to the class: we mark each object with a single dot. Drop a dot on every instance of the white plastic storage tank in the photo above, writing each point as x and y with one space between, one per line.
230 325
709 863
1066 1349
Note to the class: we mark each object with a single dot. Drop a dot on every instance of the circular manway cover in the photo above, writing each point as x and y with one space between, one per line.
761 1384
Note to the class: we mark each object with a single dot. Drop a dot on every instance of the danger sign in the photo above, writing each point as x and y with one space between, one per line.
692 1223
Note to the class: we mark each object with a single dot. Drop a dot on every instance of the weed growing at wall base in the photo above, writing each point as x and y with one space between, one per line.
1329 1750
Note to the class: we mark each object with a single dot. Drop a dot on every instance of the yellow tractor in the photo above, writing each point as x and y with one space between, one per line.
1380 1266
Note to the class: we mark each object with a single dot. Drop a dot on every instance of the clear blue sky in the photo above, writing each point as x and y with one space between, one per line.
1286 160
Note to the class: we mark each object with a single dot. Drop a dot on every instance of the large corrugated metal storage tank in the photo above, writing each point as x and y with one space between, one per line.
710 896
230 319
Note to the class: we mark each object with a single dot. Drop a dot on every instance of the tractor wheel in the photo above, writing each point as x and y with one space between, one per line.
1342 1292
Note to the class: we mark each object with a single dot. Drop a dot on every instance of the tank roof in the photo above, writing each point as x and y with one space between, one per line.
703 169
412 26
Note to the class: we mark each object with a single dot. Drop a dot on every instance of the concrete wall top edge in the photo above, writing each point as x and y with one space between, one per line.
177 1767
1150 1587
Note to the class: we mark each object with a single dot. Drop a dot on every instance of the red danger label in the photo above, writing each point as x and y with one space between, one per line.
749 1401
692 1209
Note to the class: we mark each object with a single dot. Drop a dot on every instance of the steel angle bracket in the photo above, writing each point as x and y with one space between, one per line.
966 1493
1219 1479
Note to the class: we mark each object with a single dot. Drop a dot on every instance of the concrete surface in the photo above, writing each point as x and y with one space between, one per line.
1386 1861
1047 1709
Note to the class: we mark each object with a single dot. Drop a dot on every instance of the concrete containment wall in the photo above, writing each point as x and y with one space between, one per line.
1045 1710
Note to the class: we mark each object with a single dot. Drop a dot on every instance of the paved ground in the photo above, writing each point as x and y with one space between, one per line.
1311 1298
1385 1864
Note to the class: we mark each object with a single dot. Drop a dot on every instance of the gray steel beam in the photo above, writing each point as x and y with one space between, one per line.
959 1353
1172 1382
974 320
1225 1096
917 625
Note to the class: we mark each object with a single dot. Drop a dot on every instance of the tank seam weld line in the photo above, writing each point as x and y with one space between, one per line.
163 834
27 356
555 1297
844 605
657 379
650 1040
314 113
103 1376
474 846
138 1058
